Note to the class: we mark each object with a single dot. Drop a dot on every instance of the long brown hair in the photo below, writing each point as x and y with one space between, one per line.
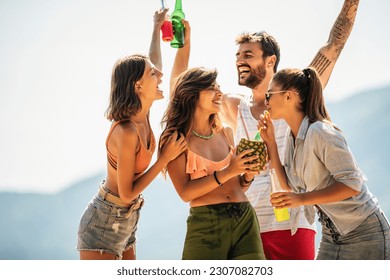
308 84
185 96
124 101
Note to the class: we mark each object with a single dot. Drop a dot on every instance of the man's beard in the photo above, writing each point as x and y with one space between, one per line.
255 78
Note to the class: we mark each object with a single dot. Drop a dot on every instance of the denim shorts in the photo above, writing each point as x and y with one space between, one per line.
107 227
369 241
222 232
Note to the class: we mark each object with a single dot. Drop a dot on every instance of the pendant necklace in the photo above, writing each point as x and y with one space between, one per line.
204 137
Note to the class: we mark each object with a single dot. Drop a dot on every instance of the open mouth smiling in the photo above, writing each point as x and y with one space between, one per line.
243 71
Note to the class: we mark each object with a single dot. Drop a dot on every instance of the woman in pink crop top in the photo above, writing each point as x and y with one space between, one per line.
108 225
222 224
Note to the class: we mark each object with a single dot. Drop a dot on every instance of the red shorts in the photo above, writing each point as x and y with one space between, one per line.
281 245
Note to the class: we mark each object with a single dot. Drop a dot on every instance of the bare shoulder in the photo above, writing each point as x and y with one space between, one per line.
230 103
234 98
127 127
126 132
229 133
229 130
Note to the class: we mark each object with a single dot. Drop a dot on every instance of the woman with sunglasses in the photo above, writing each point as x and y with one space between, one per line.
320 172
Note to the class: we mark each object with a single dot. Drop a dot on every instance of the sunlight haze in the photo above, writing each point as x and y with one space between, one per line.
57 56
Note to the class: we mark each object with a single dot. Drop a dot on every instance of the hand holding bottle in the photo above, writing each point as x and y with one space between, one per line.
286 199
187 31
159 17
161 21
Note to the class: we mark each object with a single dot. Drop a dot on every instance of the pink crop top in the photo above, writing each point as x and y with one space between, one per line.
143 155
198 166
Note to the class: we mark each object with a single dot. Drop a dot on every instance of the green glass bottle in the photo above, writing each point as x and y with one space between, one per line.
178 26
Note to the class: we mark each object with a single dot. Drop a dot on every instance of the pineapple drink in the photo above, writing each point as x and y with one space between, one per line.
282 214
259 149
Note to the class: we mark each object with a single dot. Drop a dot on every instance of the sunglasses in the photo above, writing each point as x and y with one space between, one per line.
268 94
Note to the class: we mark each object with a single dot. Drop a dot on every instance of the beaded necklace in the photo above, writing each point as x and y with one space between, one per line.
204 137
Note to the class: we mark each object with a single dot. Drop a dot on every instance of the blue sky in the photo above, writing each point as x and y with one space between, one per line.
56 60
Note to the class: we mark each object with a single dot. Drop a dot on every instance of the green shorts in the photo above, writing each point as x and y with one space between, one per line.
227 231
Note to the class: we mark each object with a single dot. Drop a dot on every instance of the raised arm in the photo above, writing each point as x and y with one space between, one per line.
155 44
326 58
182 56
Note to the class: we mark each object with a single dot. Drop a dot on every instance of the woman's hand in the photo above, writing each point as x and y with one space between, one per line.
266 128
187 30
249 175
173 147
159 18
285 199
240 164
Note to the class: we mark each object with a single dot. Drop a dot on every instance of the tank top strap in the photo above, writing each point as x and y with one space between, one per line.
152 139
112 159
227 138
115 123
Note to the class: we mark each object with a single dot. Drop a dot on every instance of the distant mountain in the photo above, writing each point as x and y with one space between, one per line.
42 226
364 119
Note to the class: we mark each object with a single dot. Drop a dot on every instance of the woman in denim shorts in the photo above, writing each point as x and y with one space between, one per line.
321 172
108 226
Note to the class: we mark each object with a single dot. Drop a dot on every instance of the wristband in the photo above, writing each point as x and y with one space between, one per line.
216 179
246 183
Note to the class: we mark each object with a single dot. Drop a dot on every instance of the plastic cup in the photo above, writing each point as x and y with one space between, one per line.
281 214
167 31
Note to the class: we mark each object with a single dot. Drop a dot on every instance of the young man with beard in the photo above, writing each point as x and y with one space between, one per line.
257 59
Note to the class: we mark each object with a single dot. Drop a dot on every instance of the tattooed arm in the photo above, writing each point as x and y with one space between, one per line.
326 58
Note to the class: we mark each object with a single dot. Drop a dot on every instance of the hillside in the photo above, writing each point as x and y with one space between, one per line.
38 226
365 121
